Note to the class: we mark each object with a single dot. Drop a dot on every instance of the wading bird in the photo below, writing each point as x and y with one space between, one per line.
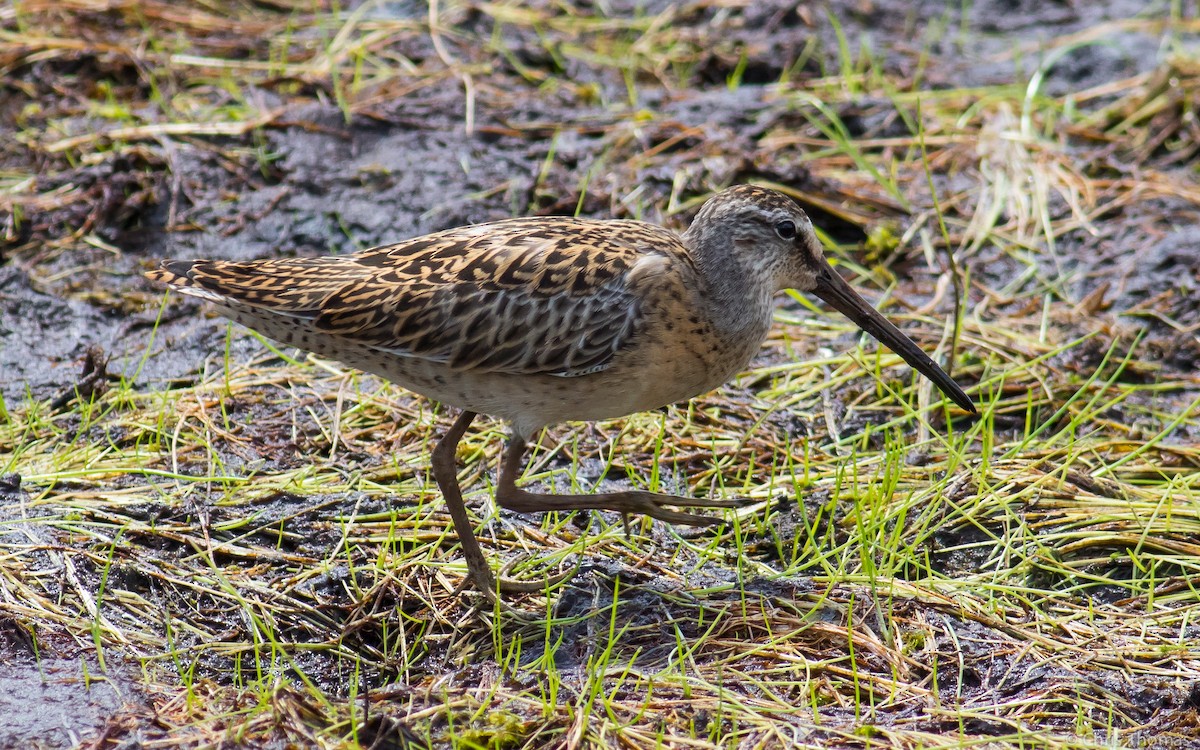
543 320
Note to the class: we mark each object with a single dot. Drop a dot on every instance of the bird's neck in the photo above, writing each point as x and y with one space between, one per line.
737 296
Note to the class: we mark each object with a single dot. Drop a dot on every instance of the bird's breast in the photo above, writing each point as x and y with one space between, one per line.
689 348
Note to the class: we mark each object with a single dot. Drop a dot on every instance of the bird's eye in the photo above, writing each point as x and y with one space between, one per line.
786 229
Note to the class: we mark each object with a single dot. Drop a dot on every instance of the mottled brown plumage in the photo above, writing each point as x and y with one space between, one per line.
542 320
473 298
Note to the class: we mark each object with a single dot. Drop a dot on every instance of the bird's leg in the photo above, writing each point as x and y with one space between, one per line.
445 473
631 501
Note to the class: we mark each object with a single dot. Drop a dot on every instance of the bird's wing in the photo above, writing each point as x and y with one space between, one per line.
554 296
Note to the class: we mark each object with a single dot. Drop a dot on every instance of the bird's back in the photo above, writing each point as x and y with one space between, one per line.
557 296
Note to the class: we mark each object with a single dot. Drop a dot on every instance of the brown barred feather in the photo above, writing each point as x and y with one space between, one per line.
524 296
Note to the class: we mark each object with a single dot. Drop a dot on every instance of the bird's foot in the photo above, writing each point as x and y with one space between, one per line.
492 586
652 504
513 586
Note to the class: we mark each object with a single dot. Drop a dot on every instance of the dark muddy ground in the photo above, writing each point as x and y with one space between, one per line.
310 182
57 700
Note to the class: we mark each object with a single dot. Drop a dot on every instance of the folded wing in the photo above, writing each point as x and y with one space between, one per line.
525 296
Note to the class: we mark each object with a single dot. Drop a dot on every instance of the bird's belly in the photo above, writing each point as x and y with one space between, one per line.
530 402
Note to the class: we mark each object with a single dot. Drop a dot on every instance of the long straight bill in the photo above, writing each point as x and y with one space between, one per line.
832 288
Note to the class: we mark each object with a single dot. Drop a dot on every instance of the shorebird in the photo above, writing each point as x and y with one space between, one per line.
543 320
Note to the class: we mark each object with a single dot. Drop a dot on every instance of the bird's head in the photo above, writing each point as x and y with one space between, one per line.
765 235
